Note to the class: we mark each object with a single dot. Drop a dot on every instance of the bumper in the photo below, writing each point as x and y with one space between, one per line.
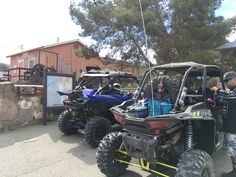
141 146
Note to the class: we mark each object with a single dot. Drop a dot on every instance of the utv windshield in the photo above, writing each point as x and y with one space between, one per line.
160 83
90 82
158 91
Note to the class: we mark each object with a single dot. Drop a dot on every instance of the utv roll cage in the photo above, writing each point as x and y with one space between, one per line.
188 69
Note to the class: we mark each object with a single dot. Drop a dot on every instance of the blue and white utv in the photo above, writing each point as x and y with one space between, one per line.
87 106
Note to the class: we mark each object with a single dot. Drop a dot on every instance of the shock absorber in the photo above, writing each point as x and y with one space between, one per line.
189 135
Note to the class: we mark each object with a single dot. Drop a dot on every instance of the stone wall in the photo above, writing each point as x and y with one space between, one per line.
18 110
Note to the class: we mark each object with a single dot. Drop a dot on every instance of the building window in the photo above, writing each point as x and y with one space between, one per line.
20 62
31 63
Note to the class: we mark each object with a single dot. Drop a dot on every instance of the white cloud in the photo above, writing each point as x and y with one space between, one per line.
34 23
228 14
232 37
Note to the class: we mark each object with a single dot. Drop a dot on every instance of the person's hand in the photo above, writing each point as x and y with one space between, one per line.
227 90
215 89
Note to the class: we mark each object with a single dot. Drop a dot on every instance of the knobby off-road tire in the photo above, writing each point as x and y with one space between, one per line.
64 125
107 154
195 163
95 129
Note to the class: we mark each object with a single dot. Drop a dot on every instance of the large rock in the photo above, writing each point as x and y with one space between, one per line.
37 108
8 102
18 110
9 110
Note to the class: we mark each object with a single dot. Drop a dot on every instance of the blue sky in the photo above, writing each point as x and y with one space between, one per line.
228 9
34 23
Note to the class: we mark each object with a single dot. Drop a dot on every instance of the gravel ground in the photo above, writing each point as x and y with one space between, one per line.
43 151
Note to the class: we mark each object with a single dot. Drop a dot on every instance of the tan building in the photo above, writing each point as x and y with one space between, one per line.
62 56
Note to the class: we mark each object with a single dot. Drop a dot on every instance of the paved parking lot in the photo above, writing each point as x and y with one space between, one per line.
43 151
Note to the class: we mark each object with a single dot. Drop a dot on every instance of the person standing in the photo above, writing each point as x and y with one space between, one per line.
228 97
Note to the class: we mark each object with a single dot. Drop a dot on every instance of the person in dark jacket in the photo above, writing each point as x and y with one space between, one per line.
228 98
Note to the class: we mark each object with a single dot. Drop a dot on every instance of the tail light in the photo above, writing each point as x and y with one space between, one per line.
157 125
119 117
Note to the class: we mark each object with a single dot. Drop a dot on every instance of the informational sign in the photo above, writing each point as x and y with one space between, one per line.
57 83
53 82
26 90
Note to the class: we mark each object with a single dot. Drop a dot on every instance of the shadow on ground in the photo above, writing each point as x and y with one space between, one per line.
131 173
84 152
